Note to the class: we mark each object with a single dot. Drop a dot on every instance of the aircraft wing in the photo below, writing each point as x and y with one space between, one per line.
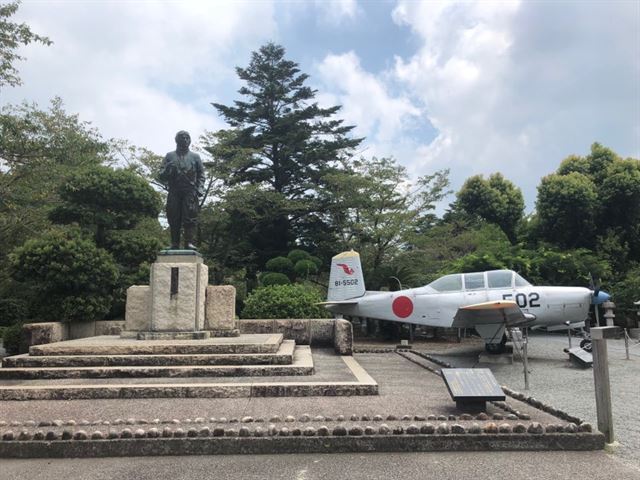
487 313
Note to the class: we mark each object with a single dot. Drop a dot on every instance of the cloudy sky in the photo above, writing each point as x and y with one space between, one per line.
509 86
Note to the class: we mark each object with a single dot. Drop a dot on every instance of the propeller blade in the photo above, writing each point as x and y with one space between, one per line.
594 285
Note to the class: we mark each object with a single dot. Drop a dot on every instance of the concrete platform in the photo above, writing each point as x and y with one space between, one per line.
302 364
114 345
284 356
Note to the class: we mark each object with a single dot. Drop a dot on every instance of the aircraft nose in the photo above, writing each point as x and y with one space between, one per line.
600 298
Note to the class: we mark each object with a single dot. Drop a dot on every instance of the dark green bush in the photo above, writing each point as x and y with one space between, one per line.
12 310
304 268
12 338
316 260
74 278
108 198
274 278
280 265
296 255
284 301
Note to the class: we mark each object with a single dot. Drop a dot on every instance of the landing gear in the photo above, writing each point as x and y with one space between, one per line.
496 348
586 345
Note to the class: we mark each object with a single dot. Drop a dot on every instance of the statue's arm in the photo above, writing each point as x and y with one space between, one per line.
199 176
166 170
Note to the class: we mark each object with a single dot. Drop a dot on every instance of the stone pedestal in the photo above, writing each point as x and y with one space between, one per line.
178 304
172 307
178 284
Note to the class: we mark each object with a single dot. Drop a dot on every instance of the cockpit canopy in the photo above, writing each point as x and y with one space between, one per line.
478 281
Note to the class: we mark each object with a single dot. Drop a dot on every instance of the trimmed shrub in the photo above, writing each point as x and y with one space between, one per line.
280 265
316 260
74 278
274 278
12 311
296 255
284 301
108 198
12 338
304 268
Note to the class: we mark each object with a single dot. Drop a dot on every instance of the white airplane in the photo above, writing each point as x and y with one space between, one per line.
487 301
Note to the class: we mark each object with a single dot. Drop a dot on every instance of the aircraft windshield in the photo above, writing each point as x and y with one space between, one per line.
499 278
448 283
521 282
473 281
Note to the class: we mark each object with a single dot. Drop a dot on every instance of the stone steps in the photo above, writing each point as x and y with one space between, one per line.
336 376
284 356
302 365
114 345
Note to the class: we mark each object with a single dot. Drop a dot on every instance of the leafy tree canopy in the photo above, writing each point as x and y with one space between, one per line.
12 36
106 199
496 200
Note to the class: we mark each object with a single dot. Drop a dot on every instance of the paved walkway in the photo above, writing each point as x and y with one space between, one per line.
365 466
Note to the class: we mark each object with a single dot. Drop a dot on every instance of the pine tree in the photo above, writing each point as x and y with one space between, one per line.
281 142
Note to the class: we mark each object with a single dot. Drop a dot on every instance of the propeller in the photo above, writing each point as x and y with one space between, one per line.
594 285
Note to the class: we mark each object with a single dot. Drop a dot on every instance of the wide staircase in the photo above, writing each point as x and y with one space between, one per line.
254 355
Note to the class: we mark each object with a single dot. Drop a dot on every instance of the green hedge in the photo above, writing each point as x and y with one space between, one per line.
284 301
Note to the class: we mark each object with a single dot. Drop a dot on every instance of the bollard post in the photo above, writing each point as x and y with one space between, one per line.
599 336
568 324
525 361
626 342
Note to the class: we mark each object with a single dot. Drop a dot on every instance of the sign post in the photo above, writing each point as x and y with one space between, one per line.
599 336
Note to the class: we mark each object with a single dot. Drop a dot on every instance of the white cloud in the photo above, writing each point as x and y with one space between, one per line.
365 99
336 12
515 87
140 70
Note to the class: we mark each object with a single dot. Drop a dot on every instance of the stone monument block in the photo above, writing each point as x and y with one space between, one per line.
343 337
137 314
220 310
178 288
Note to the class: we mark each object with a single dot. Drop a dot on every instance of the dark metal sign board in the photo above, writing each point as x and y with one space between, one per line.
472 385
580 357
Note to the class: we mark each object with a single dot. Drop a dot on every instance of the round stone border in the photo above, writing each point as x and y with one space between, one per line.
550 409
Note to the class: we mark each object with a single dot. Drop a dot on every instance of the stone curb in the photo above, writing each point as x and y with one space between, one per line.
556 412
192 442
274 419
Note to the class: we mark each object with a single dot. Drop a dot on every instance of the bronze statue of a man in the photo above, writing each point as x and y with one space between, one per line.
183 174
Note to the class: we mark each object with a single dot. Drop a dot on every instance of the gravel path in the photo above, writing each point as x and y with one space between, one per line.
556 381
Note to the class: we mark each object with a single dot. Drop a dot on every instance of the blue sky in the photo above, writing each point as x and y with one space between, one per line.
476 87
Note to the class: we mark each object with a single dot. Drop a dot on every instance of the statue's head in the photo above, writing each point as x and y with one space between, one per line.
183 139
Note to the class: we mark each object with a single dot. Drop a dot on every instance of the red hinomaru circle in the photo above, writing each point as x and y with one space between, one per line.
402 306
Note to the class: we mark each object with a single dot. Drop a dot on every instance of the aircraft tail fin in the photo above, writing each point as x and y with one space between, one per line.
345 279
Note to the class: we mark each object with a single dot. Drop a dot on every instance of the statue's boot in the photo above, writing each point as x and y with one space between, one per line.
189 235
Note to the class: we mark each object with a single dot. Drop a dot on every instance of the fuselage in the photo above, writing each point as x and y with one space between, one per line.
436 304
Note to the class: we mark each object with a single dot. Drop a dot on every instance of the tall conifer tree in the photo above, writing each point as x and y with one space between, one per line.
282 143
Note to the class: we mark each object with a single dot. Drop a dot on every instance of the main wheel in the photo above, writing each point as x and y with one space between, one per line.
496 348
586 345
